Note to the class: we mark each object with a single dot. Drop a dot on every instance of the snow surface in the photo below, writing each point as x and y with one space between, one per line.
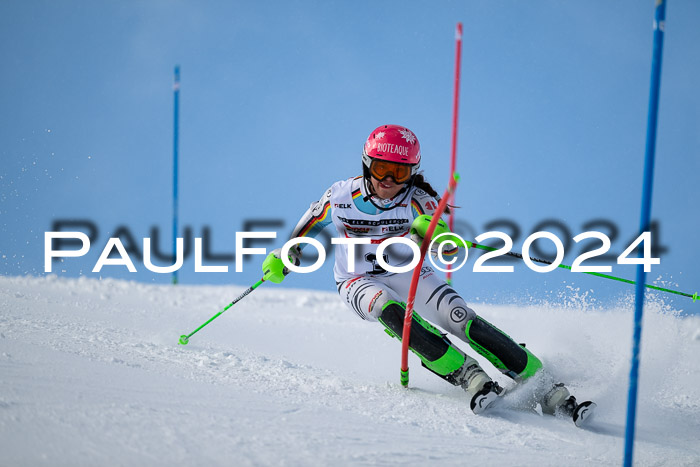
91 374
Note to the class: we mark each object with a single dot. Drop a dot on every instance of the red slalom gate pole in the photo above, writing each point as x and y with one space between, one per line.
455 114
416 274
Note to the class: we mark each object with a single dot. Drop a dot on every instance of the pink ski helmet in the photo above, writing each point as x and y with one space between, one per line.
392 143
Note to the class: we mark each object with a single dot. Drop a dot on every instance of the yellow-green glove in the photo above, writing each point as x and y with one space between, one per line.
419 228
273 268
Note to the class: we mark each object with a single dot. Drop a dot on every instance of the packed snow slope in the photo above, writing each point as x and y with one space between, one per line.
92 374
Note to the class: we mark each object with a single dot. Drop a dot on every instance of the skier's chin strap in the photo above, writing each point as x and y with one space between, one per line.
370 196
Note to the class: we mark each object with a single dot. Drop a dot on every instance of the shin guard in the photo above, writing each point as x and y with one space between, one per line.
435 351
513 360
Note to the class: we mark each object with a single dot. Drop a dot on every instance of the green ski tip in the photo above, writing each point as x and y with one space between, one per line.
184 339
695 297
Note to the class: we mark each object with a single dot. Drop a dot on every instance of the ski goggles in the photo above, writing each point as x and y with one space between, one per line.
380 170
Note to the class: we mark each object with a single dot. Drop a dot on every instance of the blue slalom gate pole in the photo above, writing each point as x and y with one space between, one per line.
652 119
176 120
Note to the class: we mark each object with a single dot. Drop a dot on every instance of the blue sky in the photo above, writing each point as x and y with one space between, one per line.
278 97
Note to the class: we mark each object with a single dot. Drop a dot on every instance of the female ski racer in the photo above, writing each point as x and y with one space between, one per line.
392 199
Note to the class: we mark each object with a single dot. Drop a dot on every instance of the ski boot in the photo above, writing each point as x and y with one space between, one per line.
558 401
474 380
486 397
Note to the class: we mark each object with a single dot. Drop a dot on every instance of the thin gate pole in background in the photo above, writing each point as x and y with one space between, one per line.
176 125
659 19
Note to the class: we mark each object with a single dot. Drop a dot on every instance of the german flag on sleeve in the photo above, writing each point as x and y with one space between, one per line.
317 223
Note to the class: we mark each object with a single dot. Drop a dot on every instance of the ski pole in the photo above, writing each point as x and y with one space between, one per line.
185 338
416 274
694 296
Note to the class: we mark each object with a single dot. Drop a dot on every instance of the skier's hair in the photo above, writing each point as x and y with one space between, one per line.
420 182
